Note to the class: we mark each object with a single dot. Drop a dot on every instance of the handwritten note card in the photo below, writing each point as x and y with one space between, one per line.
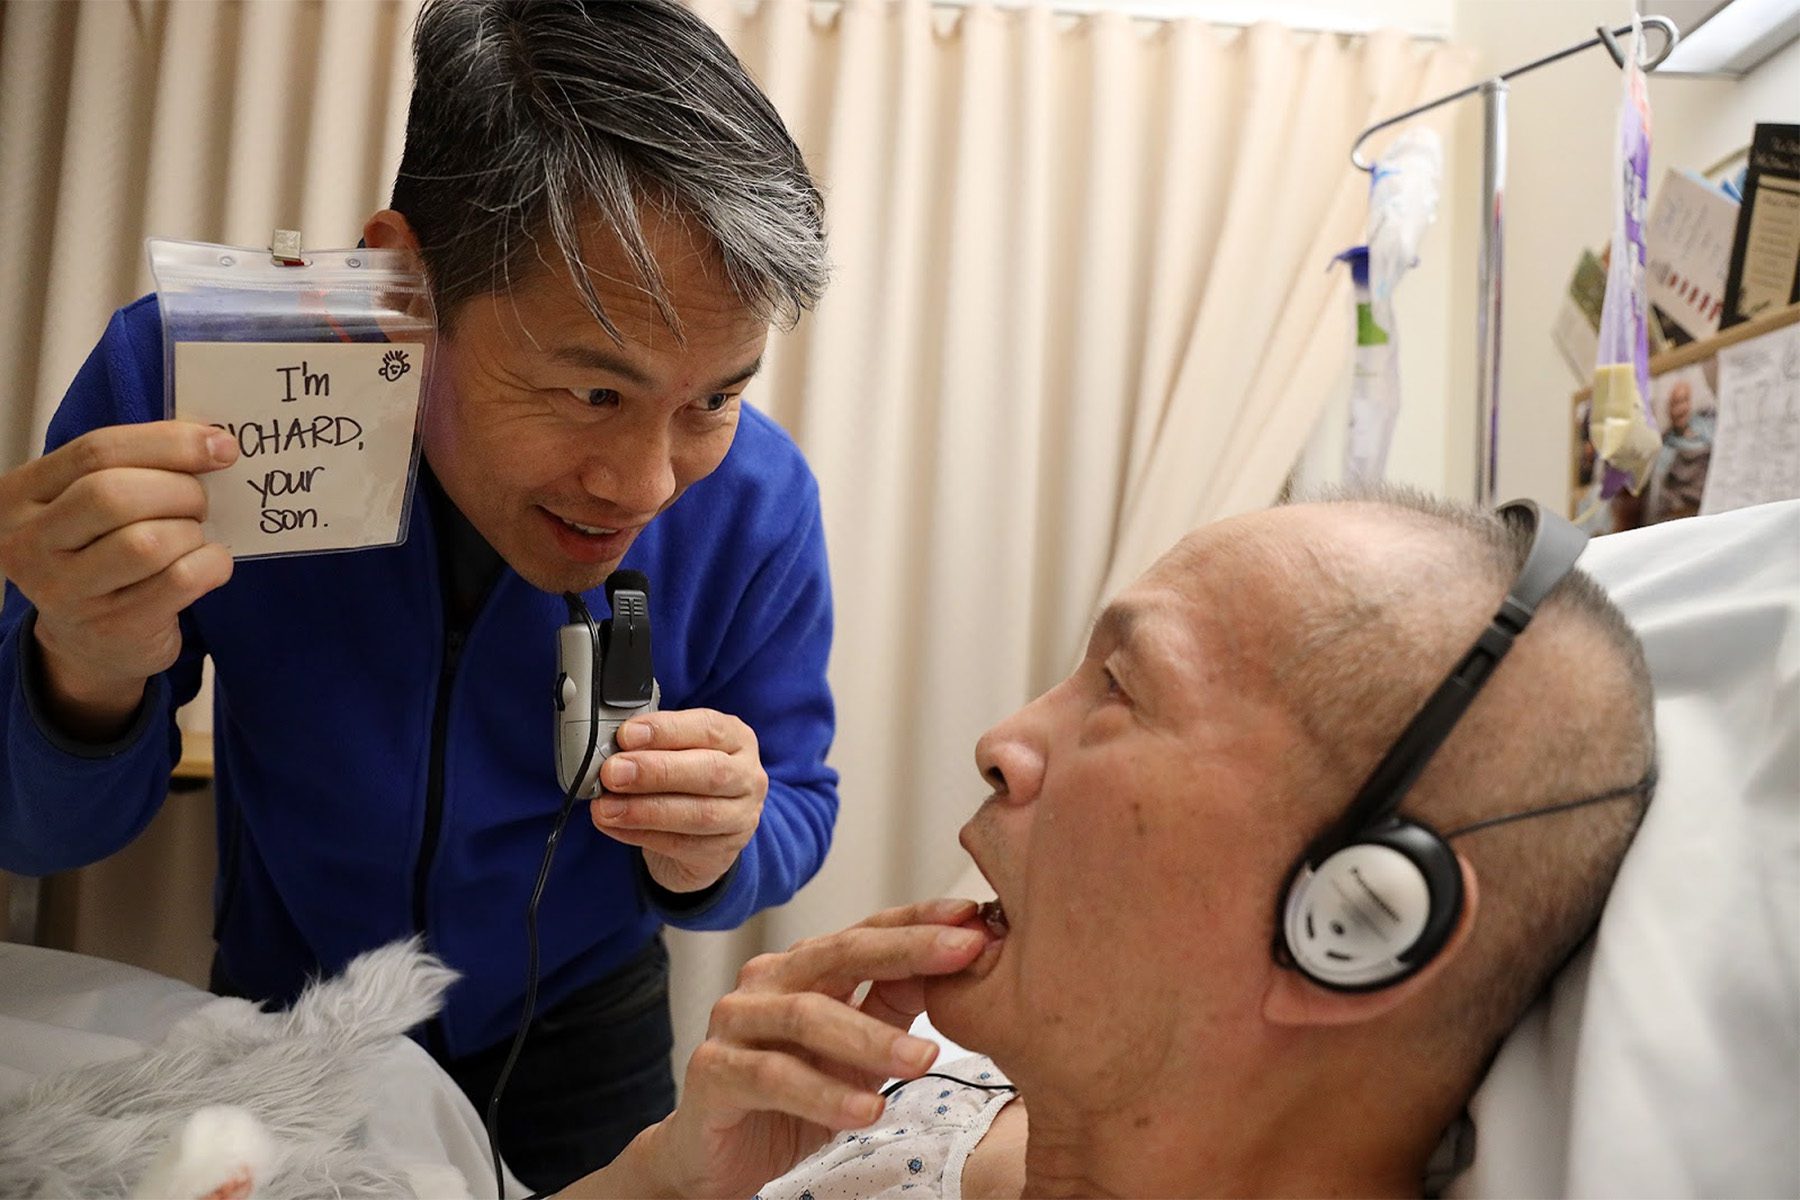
1756 448
325 440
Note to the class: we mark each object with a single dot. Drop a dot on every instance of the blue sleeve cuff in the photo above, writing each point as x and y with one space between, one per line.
725 904
677 907
65 803
29 675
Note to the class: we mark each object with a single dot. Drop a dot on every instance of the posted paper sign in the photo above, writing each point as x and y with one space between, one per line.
1756 448
1689 243
326 437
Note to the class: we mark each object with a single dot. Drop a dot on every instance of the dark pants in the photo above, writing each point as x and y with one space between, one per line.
594 1071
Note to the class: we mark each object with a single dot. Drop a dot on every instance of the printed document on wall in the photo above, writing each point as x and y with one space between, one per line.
1756 447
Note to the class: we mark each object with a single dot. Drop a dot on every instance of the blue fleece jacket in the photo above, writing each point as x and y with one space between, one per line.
334 672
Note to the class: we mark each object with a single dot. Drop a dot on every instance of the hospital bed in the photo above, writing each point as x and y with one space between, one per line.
1665 1061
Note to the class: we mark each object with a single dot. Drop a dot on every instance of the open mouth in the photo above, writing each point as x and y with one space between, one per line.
993 915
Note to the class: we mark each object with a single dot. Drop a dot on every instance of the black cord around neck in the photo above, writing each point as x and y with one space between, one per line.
895 1086
578 612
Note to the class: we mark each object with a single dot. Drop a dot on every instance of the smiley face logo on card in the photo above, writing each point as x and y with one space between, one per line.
394 365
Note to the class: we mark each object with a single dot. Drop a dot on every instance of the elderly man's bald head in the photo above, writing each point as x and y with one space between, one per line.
1145 812
1387 590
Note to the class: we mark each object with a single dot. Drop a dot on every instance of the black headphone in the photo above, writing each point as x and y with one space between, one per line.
1376 896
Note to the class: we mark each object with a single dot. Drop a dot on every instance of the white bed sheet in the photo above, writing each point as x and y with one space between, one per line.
61 1011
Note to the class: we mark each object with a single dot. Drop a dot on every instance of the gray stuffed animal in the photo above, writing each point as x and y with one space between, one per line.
236 1102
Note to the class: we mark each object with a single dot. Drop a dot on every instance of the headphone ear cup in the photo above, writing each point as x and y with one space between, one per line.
1375 911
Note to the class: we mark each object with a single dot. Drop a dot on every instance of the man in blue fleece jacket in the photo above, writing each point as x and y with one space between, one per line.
612 216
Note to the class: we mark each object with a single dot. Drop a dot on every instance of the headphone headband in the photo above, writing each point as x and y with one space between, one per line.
1555 545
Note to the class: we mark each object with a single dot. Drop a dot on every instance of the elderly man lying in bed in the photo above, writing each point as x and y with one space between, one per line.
1190 991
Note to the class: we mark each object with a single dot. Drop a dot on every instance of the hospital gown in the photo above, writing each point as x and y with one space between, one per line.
922 1142
918 1148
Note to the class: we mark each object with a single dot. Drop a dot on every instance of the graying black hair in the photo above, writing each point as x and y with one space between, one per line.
529 117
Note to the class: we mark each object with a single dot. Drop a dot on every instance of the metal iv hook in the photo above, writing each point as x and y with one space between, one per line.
1603 37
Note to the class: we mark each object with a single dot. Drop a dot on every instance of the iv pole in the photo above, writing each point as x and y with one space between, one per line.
1493 196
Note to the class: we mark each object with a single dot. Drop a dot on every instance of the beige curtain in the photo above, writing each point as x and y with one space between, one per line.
1081 305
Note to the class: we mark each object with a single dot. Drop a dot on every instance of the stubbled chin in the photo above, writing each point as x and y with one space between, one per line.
984 963
549 571
560 580
956 1011
990 953
962 1006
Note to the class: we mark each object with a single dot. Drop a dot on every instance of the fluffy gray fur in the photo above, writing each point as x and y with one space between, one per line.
304 1074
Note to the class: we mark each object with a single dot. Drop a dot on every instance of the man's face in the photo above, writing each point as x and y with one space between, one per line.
1138 833
559 443
1681 406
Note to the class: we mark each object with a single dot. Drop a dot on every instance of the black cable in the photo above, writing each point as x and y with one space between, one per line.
1642 787
577 612
888 1091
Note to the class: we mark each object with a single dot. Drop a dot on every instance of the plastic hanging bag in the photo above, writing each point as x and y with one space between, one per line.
1620 422
1403 197
1374 381
317 369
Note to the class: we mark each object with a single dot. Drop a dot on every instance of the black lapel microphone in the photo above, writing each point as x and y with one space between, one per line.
604 677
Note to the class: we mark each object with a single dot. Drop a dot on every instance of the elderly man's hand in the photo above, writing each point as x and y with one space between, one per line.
789 1059
687 788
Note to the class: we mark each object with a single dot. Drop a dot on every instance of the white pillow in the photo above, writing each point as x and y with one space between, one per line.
1666 1060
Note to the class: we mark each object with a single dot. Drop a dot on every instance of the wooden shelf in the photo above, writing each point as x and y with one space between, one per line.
196 756
1672 360
1700 351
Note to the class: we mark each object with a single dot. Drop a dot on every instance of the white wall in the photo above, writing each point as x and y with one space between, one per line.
1562 124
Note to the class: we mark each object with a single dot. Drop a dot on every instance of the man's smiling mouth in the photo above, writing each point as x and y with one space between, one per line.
590 530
